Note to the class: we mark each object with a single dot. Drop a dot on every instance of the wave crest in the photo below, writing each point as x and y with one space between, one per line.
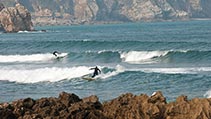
28 58
54 74
43 74
141 56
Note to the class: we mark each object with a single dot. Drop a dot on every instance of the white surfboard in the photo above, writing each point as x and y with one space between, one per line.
88 77
62 55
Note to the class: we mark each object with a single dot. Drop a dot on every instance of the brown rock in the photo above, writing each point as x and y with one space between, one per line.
82 110
193 109
182 98
47 107
7 114
123 107
6 111
14 19
93 99
126 106
129 106
89 108
22 106
28 103
68 99
157 97
1 6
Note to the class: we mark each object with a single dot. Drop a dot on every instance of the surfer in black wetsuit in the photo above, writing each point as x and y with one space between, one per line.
96 71
55 53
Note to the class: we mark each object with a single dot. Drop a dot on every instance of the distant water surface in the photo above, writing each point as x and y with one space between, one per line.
172 57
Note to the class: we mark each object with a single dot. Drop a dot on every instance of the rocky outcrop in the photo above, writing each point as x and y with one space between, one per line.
1 7
126 106
14 19
85 11
66 106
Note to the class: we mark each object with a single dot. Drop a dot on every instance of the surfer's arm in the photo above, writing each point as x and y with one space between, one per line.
99 71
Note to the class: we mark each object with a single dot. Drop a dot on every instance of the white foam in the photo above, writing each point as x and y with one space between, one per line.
51 74
43 74
168 70
29 31
182 70
139 57
85 40
208 94
104 51
118 70
28 58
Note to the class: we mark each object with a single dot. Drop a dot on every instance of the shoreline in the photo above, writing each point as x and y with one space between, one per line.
126 106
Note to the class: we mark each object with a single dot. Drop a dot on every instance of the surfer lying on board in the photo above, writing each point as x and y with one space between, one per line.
96 71
59 55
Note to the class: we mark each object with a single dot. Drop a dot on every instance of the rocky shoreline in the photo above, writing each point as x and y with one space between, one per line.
126 106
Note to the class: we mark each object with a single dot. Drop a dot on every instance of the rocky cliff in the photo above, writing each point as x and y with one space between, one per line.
14 19
95 11
126 106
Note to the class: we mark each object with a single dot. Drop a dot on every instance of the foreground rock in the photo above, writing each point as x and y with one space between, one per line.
127 106
14 19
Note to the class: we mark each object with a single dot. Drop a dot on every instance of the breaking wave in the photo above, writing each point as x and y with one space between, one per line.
143 57
131 57
53 74
28 58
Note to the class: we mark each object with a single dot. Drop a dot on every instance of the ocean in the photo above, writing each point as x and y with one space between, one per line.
139 58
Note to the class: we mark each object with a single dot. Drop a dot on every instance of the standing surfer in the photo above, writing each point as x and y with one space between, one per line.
96 71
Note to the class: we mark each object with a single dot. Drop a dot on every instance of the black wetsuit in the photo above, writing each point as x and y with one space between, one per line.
55 53
96 71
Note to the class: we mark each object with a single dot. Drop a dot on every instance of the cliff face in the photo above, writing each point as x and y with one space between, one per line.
14 19
205 8
92 11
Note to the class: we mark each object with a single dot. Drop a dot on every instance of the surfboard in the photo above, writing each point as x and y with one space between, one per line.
88 77
62 55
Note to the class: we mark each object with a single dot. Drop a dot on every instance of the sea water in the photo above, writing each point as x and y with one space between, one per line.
138 58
